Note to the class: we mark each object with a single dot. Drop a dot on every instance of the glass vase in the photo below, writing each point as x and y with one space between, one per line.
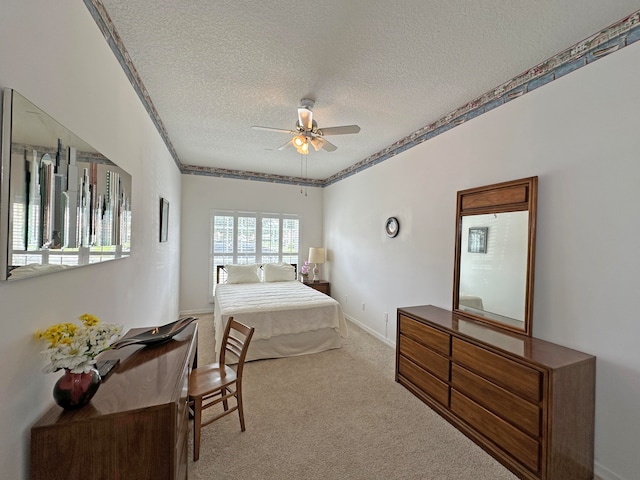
73 390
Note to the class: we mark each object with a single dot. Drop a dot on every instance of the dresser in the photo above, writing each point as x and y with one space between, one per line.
136 425
529 403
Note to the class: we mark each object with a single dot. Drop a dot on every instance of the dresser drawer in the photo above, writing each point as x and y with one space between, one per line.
435 339
518 411
424 357
514 376
422 379
519 445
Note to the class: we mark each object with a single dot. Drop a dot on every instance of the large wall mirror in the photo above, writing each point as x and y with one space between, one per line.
62 203
495 254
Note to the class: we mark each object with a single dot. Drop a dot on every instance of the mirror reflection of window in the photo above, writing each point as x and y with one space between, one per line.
494 283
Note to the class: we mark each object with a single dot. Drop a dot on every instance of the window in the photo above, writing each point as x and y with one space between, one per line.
249 237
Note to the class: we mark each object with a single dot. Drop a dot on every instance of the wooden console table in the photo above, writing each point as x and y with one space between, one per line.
527 402
135 426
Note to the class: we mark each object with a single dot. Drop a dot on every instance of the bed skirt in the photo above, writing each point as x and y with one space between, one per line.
294 344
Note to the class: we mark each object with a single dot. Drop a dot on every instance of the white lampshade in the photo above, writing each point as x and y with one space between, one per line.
316 255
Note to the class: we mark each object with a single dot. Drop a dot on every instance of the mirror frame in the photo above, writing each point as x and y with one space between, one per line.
512 196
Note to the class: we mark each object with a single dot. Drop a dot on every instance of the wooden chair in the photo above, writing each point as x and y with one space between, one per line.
217 382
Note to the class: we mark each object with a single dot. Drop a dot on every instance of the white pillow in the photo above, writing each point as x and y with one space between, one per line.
242 273
278 272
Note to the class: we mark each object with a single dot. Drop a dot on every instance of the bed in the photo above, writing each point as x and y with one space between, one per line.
289 317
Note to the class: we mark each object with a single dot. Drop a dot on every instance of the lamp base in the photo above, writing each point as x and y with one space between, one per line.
316 278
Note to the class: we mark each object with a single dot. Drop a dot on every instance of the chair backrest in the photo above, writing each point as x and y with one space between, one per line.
235 341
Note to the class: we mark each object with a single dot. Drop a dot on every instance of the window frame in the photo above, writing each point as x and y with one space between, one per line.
235 256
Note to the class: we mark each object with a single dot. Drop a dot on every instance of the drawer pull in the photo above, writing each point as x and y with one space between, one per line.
511 375
510 439
425 358
426 382
435 339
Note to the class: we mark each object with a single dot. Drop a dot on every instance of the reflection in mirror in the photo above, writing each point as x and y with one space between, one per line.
63 204
495 254
493 278
508 342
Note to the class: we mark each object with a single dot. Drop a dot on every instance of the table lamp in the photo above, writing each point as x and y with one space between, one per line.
316 256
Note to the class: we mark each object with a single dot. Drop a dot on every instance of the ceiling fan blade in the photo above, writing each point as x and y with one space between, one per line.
286 145
271 129
305 118
345 129
328 146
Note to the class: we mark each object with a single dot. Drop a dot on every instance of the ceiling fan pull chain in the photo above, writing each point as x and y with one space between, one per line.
301 157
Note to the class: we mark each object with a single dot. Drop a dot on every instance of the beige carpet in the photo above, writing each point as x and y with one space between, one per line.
334 415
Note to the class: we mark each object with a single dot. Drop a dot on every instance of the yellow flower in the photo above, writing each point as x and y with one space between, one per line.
89 320
59 333
76 346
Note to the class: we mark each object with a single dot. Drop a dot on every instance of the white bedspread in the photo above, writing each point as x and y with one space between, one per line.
276 308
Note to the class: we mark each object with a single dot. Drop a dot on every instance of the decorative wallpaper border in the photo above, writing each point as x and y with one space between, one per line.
102 19
255 176
611 39
617 36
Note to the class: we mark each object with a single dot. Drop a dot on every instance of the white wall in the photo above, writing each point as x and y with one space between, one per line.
580 135
202 194
54 54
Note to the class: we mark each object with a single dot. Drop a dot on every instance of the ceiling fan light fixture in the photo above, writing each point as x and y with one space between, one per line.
317 143
301 144
304 149
298 141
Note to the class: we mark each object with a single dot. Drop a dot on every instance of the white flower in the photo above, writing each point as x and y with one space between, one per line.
74 346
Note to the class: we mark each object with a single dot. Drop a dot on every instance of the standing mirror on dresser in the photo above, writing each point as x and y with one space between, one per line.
495 254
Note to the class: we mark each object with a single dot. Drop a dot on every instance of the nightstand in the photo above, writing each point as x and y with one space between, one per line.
321 285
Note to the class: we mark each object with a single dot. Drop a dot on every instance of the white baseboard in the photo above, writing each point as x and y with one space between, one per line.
196 312
370 331
603 473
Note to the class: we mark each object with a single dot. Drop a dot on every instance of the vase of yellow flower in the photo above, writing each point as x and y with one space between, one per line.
74 390
74 347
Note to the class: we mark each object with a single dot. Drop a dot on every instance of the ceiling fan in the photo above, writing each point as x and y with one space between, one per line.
307 132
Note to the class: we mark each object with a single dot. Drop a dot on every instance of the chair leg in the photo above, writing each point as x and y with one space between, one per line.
197 425
240 409
225 402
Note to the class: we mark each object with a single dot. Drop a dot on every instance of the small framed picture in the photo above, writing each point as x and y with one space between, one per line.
478 239
164 219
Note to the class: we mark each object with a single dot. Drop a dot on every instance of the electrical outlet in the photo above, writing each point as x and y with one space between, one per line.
363 306
386 318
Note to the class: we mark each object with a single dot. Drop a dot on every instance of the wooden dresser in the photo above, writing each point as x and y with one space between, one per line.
527 402
136 425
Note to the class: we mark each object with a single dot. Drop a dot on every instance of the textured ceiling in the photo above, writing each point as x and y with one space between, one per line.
214 69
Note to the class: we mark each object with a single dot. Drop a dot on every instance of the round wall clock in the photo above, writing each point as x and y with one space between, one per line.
392 227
